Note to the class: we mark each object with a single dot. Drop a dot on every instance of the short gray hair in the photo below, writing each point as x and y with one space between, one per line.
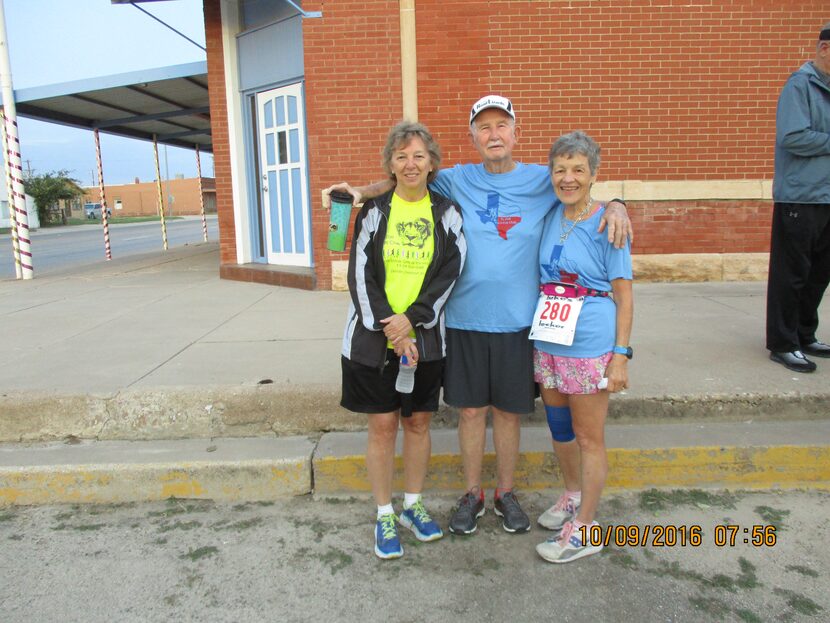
573 144
400 135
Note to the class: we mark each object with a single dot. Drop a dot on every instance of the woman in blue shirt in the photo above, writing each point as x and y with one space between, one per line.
581 328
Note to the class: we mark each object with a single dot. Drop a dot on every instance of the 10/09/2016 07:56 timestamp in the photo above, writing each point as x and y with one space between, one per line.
671 535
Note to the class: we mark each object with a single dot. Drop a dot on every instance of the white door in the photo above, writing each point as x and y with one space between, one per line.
282 156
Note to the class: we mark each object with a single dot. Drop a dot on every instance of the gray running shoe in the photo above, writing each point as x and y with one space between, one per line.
513 517
465 518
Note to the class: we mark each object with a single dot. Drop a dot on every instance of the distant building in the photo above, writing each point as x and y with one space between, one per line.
181 198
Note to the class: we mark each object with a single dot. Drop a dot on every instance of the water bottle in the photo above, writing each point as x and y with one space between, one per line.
405 382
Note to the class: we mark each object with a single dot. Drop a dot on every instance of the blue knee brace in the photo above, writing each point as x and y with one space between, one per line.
559 422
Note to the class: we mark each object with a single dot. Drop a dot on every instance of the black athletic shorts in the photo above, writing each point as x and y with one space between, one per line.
490 369
370 390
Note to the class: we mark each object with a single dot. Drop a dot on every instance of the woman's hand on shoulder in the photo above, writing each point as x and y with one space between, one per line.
615 218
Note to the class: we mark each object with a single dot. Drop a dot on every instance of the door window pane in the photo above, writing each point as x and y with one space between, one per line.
278 102
283 149
292 109
297 196
269 150
269 115
294 142
285 204
274 210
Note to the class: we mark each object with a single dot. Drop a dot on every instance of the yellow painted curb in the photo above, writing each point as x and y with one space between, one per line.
242 481
746 467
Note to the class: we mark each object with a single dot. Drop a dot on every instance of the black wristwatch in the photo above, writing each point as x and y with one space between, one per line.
624 350
619 201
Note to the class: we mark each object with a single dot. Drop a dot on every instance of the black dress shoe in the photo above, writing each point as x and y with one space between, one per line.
795 361
817 349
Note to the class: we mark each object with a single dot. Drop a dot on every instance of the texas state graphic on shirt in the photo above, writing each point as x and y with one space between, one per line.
504 217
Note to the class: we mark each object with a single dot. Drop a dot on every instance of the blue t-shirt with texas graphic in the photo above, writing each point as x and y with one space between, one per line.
503 217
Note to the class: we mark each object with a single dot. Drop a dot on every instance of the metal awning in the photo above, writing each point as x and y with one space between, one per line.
170 102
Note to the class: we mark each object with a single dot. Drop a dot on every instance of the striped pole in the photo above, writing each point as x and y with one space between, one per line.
161 196
18 270
201 196
105 221
17 196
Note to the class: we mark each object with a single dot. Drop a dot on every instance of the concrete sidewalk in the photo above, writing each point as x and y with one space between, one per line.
157 347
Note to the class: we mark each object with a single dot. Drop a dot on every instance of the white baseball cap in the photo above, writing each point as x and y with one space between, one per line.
492 101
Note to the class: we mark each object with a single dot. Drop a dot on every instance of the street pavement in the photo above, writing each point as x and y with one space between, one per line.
310 559
57 249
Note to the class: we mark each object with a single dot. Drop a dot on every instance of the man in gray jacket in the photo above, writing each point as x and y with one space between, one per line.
799 263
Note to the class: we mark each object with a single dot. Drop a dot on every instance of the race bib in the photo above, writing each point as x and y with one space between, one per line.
555 319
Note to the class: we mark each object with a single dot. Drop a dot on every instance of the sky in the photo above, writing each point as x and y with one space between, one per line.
54 41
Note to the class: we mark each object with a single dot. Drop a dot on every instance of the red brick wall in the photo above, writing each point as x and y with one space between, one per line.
701 226
219 128
675 90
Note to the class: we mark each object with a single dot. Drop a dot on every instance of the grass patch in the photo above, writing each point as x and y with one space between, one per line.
656 500
89 527
748 616
179 506
244 524
336 559
201 552
802 570
710 605
350 500
180 525
799 603
772 516
6 517
623 559
16 537
746 580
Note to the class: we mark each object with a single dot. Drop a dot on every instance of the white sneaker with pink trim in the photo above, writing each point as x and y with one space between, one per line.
568 546
565 510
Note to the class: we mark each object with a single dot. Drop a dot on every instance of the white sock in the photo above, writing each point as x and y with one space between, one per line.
386 509
576 496
409 499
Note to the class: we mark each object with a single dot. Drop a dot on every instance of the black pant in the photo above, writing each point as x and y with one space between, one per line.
799 271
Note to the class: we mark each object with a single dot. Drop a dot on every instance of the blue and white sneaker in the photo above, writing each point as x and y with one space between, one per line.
387 543
417 519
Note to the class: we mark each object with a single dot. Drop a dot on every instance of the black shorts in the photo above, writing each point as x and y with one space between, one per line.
490 369
370 390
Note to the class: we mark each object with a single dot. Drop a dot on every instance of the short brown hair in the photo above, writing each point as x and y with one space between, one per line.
400 135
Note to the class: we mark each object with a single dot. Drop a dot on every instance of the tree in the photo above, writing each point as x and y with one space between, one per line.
49 188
